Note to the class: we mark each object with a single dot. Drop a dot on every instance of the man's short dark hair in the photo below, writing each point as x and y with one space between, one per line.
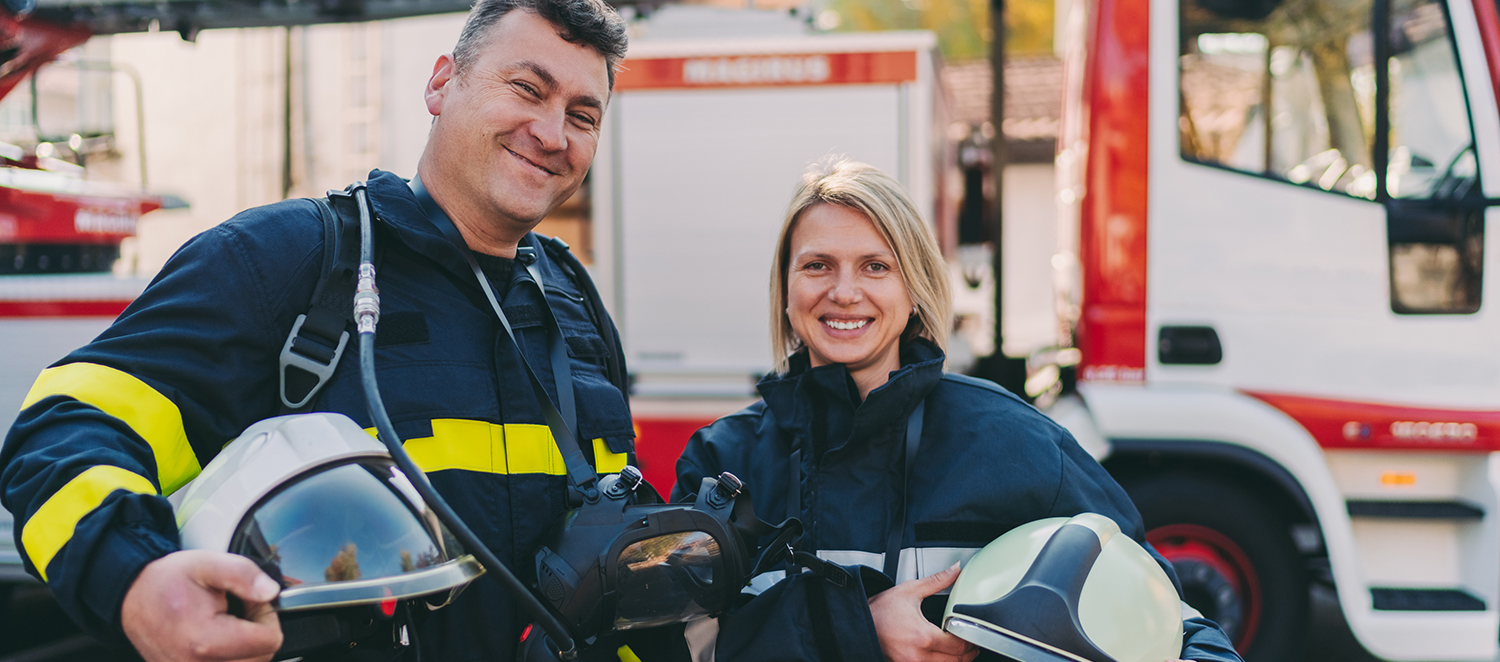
589 22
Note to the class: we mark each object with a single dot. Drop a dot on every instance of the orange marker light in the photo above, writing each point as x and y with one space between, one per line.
1398 479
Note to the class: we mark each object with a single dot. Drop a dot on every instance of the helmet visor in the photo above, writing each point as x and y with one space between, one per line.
666 579
351 534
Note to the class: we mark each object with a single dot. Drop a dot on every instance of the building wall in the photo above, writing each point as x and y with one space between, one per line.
216 116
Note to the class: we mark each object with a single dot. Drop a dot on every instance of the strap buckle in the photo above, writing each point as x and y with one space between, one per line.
293 356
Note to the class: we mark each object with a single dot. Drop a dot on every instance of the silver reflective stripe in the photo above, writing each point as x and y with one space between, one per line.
852 557
915 562
764 581
702 635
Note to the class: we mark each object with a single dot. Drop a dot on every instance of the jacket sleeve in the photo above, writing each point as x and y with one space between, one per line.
110 429
1087 487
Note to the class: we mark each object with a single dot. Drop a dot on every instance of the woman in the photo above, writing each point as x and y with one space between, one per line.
860 312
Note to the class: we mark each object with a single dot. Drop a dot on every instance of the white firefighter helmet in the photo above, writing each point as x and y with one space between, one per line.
1067 590
318 504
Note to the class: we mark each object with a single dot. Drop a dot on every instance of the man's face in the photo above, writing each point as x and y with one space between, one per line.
516 129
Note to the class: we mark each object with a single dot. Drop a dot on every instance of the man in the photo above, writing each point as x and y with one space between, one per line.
134 415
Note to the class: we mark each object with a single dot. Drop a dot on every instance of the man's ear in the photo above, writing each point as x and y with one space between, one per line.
444 73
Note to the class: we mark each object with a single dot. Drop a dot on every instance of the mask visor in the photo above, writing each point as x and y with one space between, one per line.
666 579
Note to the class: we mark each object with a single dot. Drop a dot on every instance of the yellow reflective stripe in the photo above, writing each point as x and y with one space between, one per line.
53 524
154 417
513 448
607 461
459 444
627 655
529 449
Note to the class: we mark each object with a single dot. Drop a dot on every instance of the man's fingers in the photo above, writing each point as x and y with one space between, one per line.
947 644
263 613
230 638
235 574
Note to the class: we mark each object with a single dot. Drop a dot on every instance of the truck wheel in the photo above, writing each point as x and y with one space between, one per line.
1235 558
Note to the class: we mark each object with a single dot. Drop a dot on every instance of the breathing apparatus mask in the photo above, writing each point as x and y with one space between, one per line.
620 560
1067 590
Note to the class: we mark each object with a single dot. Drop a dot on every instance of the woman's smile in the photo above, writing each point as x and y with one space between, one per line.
846 298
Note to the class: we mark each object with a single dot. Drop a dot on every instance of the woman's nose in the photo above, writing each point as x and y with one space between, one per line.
846 291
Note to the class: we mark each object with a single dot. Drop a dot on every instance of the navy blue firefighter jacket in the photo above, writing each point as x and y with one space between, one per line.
137 412
986 463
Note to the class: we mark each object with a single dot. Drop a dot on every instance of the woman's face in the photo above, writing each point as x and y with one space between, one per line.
846 298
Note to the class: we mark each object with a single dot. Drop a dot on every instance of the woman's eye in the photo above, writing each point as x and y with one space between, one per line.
814 266
878 266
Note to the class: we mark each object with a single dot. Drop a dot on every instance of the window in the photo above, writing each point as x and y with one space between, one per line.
1288 89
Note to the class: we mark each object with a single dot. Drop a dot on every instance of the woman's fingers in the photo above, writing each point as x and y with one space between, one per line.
931 584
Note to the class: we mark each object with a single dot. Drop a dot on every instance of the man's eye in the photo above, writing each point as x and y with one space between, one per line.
528 88
586 121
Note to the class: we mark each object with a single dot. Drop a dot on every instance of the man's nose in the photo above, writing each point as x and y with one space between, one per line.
548 128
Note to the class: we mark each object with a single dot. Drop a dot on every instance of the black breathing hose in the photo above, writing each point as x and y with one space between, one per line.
366 315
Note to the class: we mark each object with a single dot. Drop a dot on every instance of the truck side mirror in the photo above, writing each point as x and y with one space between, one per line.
1436 255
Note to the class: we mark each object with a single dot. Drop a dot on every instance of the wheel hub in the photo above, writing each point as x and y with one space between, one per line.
1217 577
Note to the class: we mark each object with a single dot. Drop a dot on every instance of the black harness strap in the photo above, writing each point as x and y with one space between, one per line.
318 337
898 529
614 360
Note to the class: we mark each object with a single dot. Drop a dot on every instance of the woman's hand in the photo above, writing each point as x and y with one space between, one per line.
178 609
905 635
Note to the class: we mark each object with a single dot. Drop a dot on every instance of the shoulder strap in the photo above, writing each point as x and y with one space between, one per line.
318 337
913 441
614 363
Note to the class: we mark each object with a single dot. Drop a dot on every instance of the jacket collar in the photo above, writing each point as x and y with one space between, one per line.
790 396
396 208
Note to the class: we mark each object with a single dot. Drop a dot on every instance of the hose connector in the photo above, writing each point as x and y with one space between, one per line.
366 300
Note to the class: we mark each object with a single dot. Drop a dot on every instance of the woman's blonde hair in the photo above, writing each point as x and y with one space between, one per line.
867 190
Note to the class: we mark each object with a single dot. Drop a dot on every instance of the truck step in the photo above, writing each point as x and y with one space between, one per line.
1425 599
1415 509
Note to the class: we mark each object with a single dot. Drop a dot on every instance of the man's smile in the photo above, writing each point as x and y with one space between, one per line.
529 162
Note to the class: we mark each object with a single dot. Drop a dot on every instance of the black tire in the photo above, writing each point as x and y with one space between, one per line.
1221 536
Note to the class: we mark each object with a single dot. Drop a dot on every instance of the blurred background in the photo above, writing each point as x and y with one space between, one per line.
1236 247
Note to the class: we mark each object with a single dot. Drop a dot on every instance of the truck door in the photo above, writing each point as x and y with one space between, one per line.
1323 205
1320 176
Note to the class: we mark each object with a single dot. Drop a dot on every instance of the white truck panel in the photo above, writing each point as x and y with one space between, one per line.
695 170
703 180
1209 413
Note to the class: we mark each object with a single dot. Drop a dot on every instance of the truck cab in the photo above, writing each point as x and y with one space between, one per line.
1275 273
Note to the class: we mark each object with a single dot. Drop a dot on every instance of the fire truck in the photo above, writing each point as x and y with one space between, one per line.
60 234
1272 288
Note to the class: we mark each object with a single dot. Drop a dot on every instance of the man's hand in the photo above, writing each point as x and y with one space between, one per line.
905 635
177 610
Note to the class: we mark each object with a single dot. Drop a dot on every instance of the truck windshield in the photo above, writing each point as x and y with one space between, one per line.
1286 89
